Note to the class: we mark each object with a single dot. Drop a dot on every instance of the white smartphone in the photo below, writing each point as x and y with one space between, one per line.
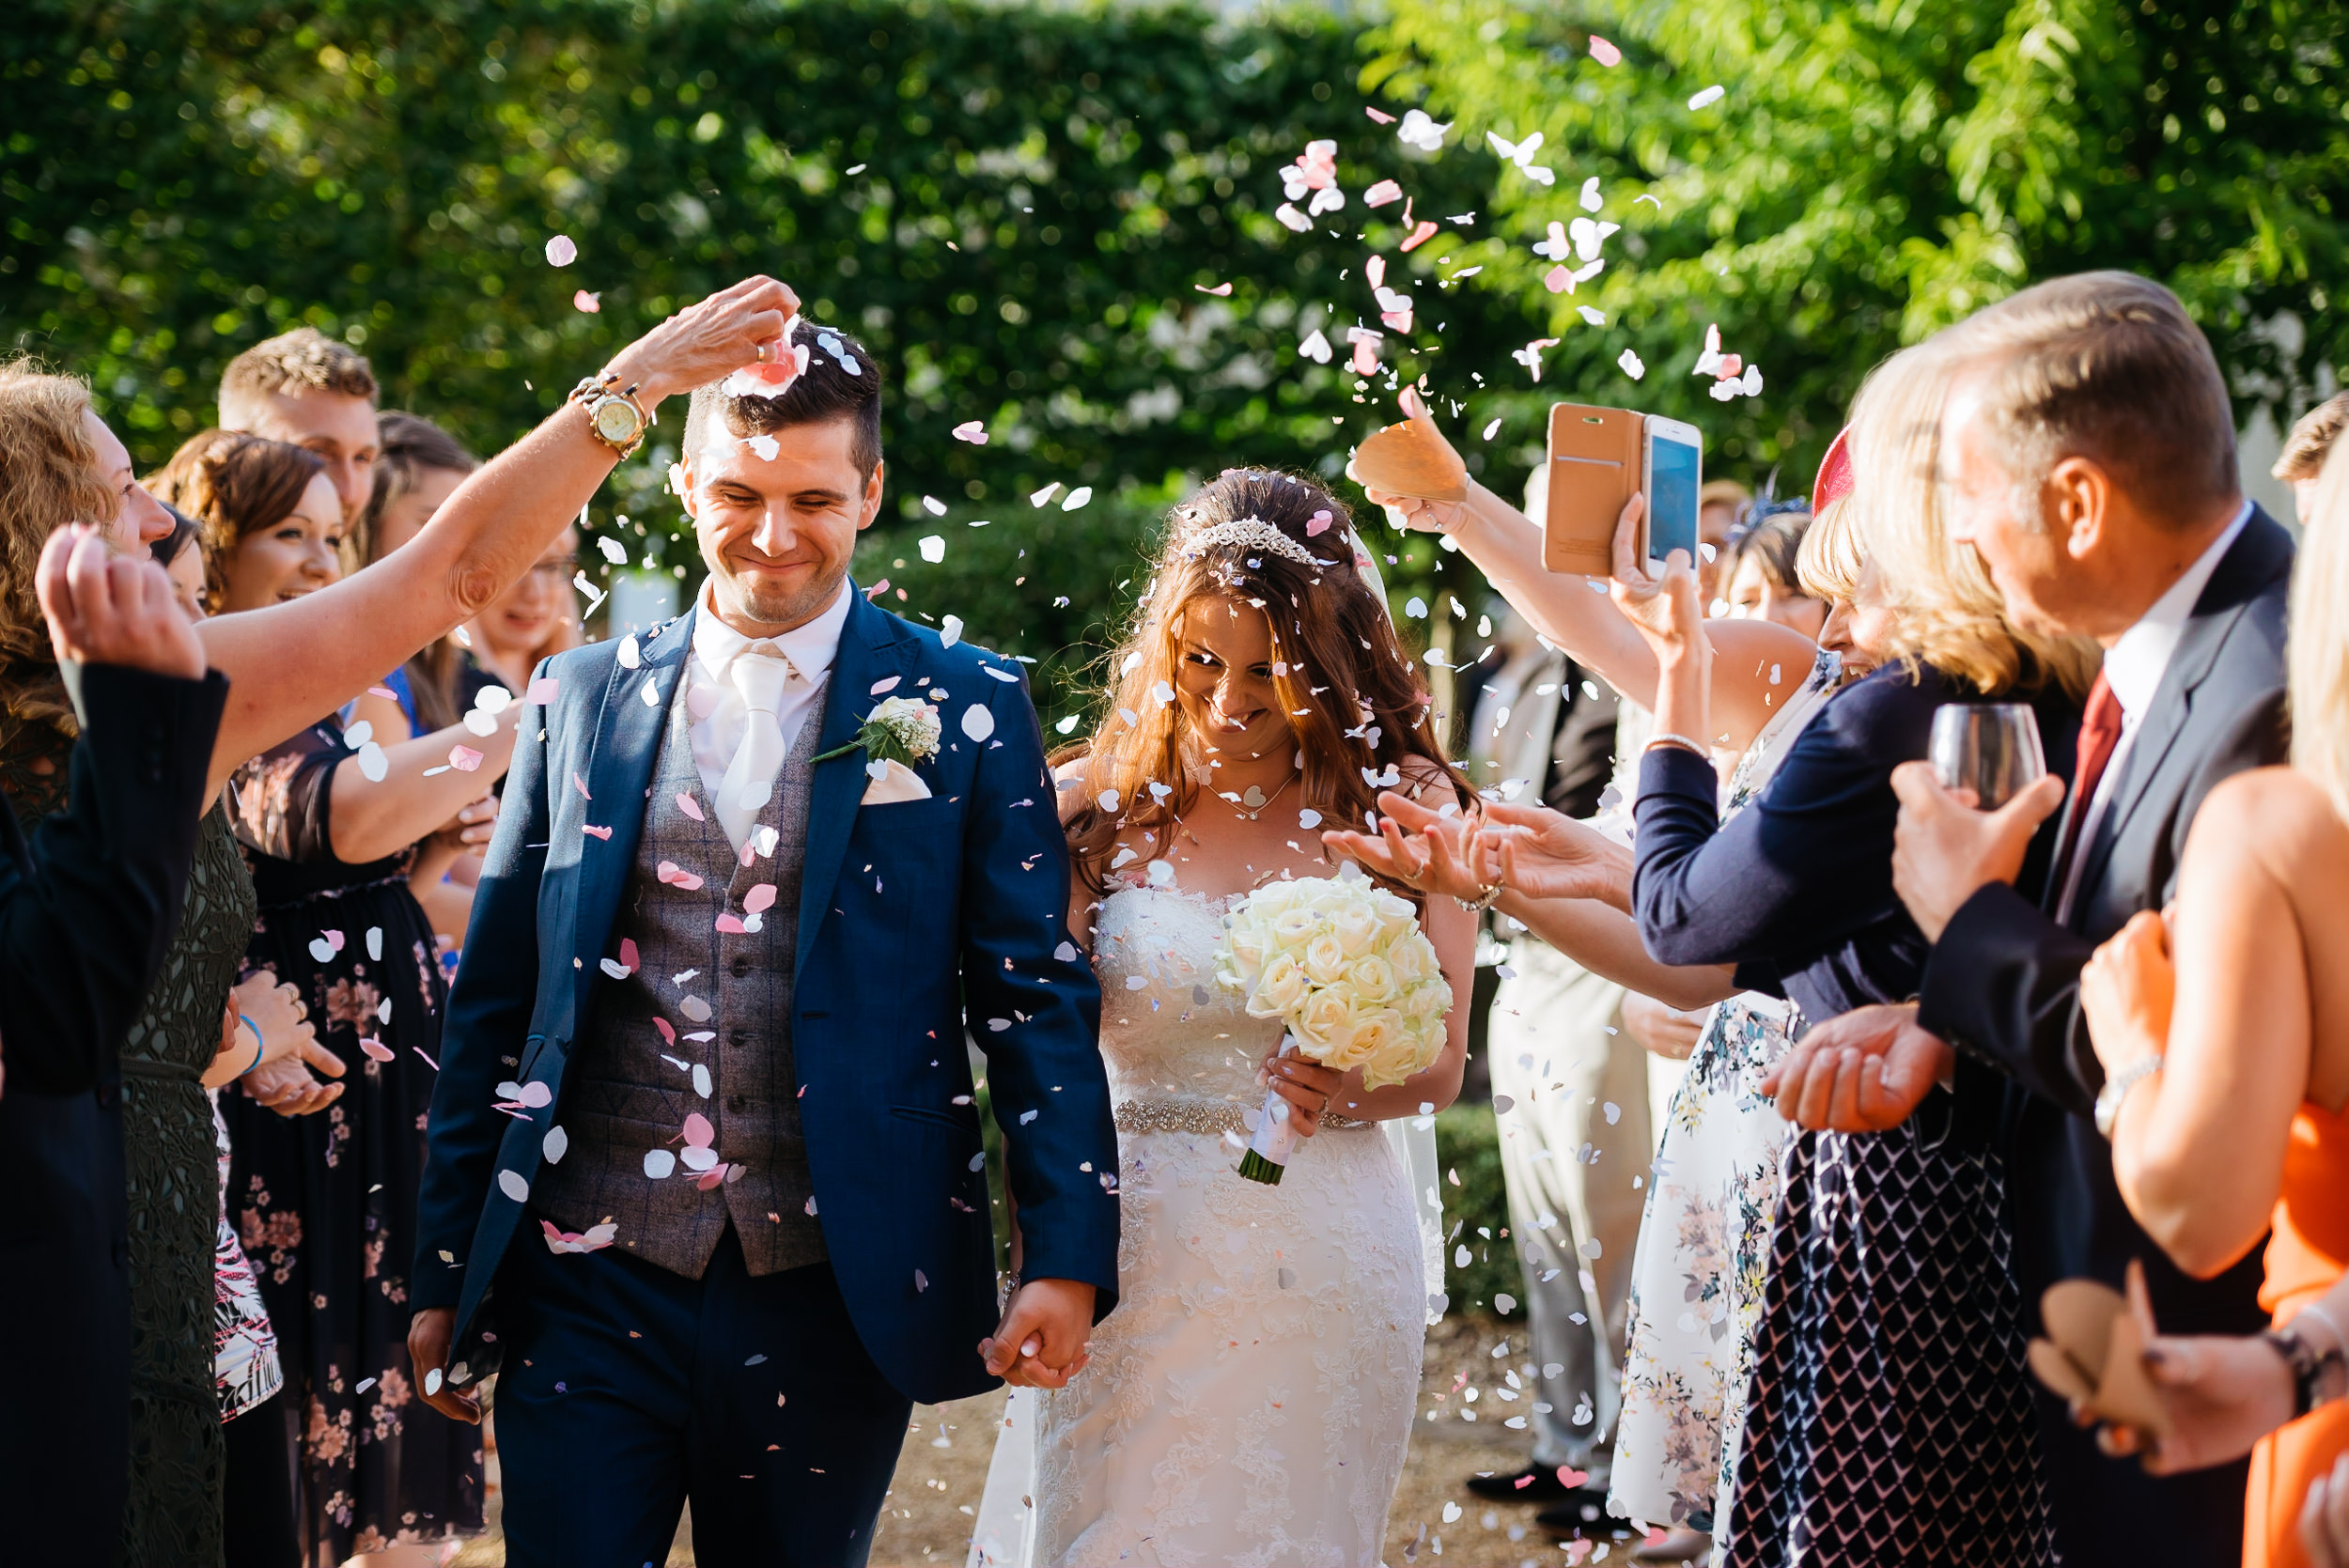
1672 471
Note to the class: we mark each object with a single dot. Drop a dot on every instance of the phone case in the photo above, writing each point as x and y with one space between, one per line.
1593 469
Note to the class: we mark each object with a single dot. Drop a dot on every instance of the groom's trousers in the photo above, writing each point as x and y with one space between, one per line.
626 1388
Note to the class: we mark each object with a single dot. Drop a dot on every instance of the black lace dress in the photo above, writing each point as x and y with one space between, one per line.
173 1512
326 1204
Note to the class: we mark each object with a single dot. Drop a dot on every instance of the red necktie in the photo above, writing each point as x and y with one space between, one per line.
2100 735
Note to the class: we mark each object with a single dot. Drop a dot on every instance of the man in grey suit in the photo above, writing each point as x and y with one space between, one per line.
2089 451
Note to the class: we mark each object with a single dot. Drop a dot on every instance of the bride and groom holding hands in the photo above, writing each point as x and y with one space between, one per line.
705 1180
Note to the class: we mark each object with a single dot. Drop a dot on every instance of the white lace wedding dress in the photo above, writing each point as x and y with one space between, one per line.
1249 1400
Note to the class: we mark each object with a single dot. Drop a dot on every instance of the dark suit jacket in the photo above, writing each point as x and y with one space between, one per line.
2003 986
88 904
912 917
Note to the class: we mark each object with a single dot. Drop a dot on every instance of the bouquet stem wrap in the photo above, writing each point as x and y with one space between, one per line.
1268 1151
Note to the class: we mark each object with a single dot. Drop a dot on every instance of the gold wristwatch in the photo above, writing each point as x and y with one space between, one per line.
614 417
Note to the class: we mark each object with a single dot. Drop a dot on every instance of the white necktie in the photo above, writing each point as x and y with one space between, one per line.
759 672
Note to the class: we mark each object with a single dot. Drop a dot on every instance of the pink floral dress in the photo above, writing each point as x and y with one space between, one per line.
325 1205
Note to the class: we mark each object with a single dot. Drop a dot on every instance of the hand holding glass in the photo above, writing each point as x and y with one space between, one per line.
1989 749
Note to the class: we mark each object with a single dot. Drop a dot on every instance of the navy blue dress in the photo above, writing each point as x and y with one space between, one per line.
1889 1419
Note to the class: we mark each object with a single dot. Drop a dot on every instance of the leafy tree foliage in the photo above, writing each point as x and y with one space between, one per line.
1876 170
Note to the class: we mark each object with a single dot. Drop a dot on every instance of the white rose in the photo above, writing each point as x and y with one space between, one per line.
1357 926
1372 979
1293 928
1247 948
1325 1024
1381 1042
1325 959
1282 987
1413 958
1273 898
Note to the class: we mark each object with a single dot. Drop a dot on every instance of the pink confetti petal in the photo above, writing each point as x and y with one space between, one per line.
581 784
1381 194
542 691
699 1134
678 877
1318 524
712 1177
973 431
377 1050
668 1030
594 831
465 759
759 898
731 923
383 691
1380 115
535 1094
1221 289
628 954
1420 236
690 807
1604 53
591 303
1557 279
877 589
335 940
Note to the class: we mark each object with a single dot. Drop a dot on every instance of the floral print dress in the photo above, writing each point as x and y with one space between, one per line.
325 1205
1704 1241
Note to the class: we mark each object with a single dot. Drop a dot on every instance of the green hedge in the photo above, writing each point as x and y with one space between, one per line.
1468 1144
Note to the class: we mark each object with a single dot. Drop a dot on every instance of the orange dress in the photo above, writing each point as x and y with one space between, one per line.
2306 1257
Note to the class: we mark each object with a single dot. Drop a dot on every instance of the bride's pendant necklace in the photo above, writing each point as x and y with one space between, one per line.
1252 803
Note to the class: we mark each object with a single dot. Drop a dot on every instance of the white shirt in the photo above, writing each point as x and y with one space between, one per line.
719 716
2134 668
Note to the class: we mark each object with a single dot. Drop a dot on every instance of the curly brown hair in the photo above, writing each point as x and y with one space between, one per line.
48 477
232 484
1353 696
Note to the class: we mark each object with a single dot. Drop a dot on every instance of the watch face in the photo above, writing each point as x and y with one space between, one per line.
615 421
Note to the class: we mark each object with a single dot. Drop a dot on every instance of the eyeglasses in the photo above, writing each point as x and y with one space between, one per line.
557 570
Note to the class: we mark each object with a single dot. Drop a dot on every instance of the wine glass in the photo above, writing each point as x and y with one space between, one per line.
1990 748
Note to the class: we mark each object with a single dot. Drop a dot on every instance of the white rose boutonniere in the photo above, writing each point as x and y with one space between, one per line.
900 729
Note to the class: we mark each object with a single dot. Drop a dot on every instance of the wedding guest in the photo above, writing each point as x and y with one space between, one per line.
2305 450
2089 459
328 830
1719 504
88 899
1684 1384
1759 567
1570 1092
303 388
2236 1033
287 664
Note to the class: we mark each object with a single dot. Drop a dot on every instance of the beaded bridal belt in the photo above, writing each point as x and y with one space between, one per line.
1200 1117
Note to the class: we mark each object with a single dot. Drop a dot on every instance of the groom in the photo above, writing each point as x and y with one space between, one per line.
705 1173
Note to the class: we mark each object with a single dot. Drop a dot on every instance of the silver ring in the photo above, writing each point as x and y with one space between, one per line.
762 353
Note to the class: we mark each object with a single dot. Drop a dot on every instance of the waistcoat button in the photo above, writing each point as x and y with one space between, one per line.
741 966
734 1102
739 1037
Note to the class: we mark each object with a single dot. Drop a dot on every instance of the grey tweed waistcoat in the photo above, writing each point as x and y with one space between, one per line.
726 997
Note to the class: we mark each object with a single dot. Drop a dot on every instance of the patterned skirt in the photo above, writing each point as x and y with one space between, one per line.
1889 1419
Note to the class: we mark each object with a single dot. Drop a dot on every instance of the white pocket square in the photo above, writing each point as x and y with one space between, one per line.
893 782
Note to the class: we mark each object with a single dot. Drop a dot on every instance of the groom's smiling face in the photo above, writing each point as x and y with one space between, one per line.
777 532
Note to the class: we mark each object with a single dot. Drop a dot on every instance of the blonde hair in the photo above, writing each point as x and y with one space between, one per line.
48 478
2317 649
1946 612
1829 562
2311 440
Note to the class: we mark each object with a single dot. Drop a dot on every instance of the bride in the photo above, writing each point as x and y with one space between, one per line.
1251 1398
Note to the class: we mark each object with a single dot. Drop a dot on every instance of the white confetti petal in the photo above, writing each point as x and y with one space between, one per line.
936 507
555 1145
933 548
1632 366
373 763
950 631
701 1080
562 251
511 1183
1077 498
1710 94
977 721
614 550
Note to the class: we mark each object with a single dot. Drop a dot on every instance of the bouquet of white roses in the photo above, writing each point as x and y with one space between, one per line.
1344 964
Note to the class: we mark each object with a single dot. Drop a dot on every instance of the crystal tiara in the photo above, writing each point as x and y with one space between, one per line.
1254 534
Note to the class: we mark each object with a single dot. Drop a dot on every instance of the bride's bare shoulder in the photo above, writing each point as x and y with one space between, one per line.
2278 815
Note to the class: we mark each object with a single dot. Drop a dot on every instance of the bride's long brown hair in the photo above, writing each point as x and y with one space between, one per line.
1353 697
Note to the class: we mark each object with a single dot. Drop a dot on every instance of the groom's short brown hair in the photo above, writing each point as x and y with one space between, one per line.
828 390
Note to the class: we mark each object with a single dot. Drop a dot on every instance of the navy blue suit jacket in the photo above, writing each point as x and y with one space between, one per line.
912 917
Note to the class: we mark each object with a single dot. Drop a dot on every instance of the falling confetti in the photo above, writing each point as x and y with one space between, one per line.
931 504
1379 114
973 431
1521 154
1419 131
1710 94
591 303
1077 498
613 550
1604 53
933 548
1221 289
561 252
978 722
1381 194
1044 495
1631 364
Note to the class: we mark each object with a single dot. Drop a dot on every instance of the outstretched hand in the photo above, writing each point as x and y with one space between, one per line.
109 609
1867 1070
1541 853
707 341
1041 1342
1411 511
1424 850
